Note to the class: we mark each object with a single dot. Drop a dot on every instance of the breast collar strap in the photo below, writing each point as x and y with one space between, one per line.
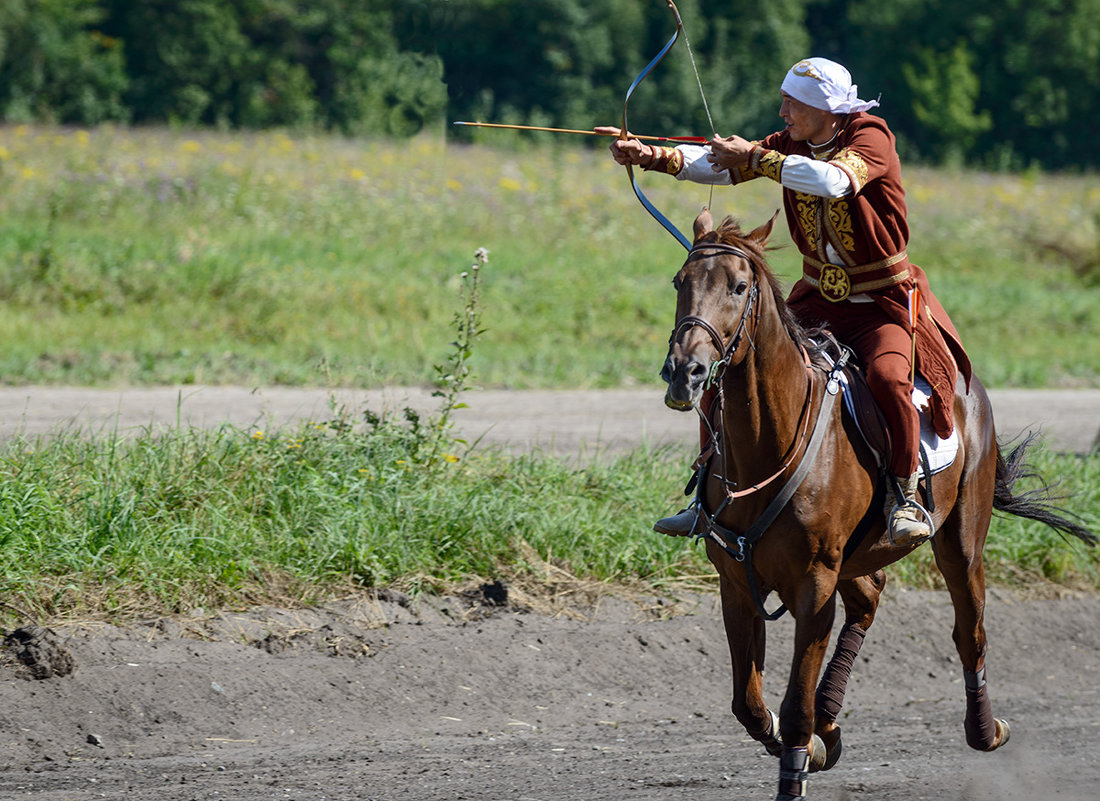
739 546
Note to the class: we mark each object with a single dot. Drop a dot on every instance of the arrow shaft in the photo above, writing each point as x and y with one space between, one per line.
684 139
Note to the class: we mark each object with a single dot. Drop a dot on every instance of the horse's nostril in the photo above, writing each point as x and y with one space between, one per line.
697 371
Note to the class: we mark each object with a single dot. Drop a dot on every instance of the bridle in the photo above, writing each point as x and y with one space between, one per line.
751 308
714 426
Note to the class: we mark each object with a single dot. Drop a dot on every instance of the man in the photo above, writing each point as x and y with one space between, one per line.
845 208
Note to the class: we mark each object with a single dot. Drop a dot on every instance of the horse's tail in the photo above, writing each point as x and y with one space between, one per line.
1034 504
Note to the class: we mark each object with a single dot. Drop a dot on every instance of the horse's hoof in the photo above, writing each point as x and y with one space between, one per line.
772 744
819 755
834 748
1000 737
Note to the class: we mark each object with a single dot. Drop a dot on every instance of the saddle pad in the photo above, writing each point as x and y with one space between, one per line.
940 452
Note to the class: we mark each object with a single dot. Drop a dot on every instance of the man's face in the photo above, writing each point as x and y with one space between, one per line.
806 122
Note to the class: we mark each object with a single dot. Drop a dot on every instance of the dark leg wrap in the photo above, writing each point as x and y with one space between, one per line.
830 692
981 728
793 771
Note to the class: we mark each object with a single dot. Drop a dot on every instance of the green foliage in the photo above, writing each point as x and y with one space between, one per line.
944 91
1001 85
1029 66
55 66
261 63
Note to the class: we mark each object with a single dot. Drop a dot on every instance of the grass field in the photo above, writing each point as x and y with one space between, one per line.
152 256
192 519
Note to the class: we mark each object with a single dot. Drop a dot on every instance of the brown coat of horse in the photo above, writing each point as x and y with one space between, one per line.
730 311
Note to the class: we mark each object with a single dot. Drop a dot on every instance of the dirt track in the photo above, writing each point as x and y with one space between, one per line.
567 423
458 703
381 700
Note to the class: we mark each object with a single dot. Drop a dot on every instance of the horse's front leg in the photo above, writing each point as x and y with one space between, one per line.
861 596
745 635
813 607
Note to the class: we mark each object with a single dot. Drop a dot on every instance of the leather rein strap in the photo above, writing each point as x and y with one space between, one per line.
745 542
742 550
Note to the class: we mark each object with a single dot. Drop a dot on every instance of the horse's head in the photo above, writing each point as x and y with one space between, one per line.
717 295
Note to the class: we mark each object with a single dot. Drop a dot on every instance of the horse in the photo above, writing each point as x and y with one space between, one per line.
790 501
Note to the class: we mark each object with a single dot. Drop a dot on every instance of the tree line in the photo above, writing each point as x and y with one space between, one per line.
1003 85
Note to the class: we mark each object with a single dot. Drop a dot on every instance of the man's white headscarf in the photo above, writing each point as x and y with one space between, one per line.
825 85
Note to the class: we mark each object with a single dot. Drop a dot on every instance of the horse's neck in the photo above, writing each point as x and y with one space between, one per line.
764 395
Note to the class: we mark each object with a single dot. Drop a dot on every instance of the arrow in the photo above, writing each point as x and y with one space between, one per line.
681 139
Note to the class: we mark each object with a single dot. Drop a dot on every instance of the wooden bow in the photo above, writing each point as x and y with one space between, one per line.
624 130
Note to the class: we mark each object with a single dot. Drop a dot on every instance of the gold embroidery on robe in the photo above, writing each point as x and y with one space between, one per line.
855 166
840 221
675 162
807 208
771 164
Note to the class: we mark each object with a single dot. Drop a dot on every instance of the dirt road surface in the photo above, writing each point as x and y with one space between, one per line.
567 423
382 699
375 701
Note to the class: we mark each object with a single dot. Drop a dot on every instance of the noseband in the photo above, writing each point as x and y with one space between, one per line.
725 352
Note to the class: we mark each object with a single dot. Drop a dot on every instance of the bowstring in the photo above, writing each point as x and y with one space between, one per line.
702 94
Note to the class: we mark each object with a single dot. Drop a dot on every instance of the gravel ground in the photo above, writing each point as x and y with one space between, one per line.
627 699
567 423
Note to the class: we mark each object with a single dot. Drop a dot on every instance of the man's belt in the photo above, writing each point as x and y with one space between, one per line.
836 282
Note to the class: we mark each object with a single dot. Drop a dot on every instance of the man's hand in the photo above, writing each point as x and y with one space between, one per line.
729 153
627 151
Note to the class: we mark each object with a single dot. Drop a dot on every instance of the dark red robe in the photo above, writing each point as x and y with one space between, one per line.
869 232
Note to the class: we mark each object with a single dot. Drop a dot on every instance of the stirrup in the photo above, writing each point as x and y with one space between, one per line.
681 524
896 539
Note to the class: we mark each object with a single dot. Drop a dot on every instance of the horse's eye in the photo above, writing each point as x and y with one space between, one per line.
741 287
676 283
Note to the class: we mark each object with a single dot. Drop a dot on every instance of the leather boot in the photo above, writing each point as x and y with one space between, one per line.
907 522
681 524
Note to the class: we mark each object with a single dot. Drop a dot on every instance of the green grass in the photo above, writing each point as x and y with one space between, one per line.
151 256
174 521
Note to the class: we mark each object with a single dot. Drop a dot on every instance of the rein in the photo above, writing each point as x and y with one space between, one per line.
744 543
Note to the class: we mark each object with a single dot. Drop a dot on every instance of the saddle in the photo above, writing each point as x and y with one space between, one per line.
862 410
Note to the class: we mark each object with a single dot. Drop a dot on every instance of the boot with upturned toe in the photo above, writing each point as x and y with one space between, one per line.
681 524
907 522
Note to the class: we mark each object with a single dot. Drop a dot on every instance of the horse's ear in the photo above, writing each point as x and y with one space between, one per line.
762 234
704 223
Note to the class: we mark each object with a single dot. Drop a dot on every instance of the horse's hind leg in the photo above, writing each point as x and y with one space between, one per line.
958 548
861 596
745 636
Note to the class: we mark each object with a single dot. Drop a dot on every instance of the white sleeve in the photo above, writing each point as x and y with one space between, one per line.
812 177
696 167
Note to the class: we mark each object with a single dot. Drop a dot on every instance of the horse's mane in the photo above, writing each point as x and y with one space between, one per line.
729 232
